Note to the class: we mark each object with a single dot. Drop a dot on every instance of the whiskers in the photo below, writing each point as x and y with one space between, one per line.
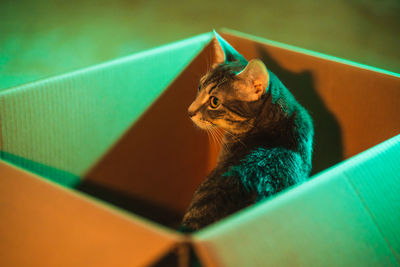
216 135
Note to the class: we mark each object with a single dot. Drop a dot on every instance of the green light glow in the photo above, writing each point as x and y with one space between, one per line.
58 176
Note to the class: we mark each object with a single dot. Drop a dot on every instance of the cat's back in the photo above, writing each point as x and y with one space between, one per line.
300 120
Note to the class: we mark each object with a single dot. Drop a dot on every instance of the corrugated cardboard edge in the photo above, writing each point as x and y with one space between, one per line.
340 175
148 52
307 52
40 218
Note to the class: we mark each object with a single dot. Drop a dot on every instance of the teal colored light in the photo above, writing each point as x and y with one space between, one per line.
58 176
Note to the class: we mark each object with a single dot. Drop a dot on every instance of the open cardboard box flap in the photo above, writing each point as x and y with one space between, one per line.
122 127
44 224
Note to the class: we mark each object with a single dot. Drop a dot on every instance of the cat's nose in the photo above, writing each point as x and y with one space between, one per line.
191 113
191 110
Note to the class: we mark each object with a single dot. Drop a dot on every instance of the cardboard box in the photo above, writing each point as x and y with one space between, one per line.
98 166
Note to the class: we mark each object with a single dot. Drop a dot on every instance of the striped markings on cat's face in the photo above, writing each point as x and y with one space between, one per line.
226 100
215 106
206 101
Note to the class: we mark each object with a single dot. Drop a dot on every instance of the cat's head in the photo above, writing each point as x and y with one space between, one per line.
228 94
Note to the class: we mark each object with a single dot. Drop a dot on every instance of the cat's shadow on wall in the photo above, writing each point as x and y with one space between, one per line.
327 133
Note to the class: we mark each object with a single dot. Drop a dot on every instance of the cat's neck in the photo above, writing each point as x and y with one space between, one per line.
270 128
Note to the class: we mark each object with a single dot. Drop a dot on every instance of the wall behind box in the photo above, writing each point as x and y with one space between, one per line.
44 38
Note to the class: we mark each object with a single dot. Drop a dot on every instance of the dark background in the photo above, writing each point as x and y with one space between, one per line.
44 38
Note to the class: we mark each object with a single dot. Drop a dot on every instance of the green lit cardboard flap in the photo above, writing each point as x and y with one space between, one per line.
375 177
60 126
346 216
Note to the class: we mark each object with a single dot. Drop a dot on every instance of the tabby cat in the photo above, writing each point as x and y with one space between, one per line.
267 145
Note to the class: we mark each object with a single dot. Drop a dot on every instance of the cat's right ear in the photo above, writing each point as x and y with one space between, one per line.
257 77
219 55
224 52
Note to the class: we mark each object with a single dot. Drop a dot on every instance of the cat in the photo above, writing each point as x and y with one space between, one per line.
268 139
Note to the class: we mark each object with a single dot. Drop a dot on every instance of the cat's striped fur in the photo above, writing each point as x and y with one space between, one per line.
267 142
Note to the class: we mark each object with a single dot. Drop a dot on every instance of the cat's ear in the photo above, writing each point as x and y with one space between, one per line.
224 52
257 78
219 55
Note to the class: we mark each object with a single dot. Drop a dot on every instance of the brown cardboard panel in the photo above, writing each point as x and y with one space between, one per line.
322 222
163 157
353 108
43 224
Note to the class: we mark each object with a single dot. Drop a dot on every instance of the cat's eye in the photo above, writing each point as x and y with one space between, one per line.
199 87
214 102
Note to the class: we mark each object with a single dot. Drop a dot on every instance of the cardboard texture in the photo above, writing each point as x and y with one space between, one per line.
119 131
